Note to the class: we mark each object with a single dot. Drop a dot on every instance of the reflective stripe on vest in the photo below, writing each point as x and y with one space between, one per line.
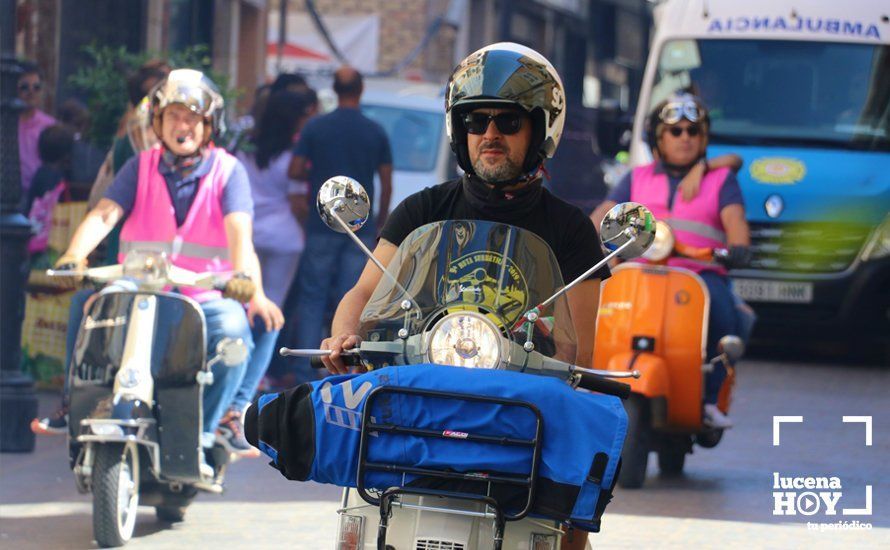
701 229
178 248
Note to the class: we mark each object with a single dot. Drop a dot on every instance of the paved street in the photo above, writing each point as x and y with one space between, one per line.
725 499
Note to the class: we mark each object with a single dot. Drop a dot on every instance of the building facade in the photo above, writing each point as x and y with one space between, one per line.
53 33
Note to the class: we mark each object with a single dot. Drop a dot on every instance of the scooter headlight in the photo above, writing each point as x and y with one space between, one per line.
146 266
663 244
465 339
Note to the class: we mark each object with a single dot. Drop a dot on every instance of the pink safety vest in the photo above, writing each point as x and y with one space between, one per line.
200 244
695 223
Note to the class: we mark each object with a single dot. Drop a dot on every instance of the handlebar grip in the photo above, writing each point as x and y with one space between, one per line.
721 256
349 359
601 384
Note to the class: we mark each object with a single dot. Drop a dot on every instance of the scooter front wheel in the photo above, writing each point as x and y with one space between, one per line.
635 456
115 493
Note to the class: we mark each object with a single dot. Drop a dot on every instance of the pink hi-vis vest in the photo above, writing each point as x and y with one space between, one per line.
200 244
695 223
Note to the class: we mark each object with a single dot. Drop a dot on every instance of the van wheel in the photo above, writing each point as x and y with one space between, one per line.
115 493
671 461
635 455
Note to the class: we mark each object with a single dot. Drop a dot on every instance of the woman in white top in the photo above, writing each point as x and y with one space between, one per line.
277 233
279 203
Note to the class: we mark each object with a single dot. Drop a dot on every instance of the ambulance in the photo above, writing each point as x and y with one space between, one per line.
801 91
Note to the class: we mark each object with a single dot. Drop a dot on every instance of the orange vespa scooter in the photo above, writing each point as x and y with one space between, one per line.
653 319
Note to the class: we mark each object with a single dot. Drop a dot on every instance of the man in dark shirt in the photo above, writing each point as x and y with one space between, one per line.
343 142
504 116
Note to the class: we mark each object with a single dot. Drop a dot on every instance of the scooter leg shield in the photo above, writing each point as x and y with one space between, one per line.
653 380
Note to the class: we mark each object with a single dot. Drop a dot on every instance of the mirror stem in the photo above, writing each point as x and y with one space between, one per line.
587 273
356 240
370 255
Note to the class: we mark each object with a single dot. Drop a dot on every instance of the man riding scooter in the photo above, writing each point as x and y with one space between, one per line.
505 109
192 201
703 204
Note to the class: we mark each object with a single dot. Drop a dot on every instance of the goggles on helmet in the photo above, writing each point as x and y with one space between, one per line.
675 111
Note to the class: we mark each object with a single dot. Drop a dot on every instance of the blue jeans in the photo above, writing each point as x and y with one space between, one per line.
728 315
330 266
224 318
263 348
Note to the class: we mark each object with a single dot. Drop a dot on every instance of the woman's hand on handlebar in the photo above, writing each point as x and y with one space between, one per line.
69 262
337 344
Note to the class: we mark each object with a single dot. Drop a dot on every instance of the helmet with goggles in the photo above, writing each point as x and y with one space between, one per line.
677 107
193 90
505 75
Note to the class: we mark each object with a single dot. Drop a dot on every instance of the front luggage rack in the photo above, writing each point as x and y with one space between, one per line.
387 498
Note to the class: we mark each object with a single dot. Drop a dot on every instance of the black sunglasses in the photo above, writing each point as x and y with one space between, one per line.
507 123
24 86
676 131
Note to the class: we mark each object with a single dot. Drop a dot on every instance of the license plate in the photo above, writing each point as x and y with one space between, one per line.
755 290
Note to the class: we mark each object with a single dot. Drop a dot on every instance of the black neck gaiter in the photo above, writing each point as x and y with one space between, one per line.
501 205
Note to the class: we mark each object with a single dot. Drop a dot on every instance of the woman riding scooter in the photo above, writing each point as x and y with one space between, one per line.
192 201
703 203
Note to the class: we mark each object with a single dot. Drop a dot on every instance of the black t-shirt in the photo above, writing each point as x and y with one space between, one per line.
568 231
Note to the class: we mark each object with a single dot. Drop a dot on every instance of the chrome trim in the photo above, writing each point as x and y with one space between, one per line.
456 512
139 438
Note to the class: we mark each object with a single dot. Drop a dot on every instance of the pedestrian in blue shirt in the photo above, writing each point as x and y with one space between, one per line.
343 142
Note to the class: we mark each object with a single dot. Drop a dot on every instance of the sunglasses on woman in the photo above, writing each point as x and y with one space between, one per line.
507 123
692 130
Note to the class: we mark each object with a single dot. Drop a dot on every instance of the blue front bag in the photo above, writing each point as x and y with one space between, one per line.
582 433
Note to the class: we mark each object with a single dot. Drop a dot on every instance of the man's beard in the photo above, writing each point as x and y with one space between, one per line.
503 171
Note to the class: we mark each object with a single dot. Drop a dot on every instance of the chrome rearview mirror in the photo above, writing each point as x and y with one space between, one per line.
630 227
731 346
343 204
